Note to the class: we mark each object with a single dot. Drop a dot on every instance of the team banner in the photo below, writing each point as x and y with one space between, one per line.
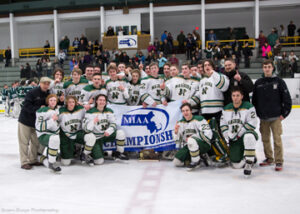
147 128
130 41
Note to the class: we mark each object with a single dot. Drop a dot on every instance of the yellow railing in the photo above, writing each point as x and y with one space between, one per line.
251 42
28 52
290 40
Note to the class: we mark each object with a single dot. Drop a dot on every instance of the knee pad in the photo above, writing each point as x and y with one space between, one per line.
120 135
89 138
249 141
99 161
54 142
65 162
192 144
177 162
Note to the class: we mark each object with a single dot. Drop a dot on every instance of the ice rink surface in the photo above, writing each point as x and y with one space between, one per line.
149 187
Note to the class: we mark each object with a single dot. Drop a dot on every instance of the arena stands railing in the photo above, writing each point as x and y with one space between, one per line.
290 40
31 52
251 42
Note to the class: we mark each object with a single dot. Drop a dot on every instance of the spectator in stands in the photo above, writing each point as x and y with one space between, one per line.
211 36
236 54
208 52
120 31
90 48
125 57
284 64
45 56
181 39
23 73
61 57
197 35
226 51
216 52
170 41
73 62
266 51
141 58
261 41
282 31
190 45
245 35
294 67
247 55
47 46
85 40
292 56
56 64
110 31
151 47
38 68
87 58
164 36
150 58
64 44
156 45
96 45
277 48
49 68
291 29
272 37
173 60
82 48
231 35
98 55
7 55
165 48
81 64
194 60
161 62
75 44
44 67
198 53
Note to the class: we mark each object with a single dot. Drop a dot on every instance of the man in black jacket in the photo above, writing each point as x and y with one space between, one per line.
7 54
237 79
273 103
28 141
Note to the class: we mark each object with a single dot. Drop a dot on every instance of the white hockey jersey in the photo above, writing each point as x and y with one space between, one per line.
181 88
57 88
71 121
114 94
151 91
75 89
134 94
196 127
44 123
89 92
235 122
106 123
210 94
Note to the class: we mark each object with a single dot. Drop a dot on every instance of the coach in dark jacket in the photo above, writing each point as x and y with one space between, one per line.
273 103
28 141
237 79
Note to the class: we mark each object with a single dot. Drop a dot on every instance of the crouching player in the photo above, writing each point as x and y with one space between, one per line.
71 133
100 127
47 129
194 133
238 123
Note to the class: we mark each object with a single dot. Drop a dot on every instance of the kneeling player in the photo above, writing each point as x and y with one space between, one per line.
195 135
100 126
238 123
47 129
71 133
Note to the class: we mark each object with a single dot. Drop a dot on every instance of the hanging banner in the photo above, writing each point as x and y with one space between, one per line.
130 41
147 128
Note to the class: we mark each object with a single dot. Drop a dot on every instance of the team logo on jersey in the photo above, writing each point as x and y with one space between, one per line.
154 119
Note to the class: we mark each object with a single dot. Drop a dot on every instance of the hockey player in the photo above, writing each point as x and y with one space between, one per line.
5 99
181 86
174 70
210 96
57 86
117 90
100 126
134 88
152 92
89 92
88 74
75 85
71 133
167 72
122 72
193 134
47 130
238 123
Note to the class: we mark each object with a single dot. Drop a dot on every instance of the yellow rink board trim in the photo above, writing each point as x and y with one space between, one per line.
294 106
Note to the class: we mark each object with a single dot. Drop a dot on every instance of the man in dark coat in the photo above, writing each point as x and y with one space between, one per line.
273 104
28 141
237 79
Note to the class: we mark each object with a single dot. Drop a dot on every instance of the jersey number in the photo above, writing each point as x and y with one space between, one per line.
182 92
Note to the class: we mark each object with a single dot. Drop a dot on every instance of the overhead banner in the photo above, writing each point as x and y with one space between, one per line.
147 128
130 41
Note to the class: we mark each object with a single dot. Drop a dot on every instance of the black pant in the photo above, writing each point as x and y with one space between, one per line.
247 62
7 62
